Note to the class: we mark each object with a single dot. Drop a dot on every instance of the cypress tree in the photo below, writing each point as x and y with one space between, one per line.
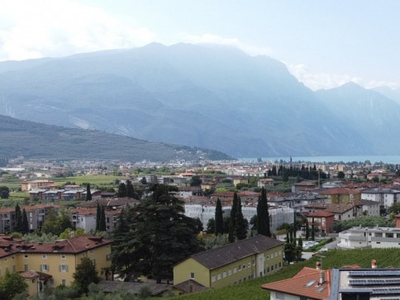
231 235
130 193
219 221
240 224
263 215
88 193
122 190
98 216
307 231
312 230
102 225
18 219
25 223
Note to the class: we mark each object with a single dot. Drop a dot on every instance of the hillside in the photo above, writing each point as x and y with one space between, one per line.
35 140
212 97
336 258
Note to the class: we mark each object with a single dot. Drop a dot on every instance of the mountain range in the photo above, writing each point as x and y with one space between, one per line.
205 96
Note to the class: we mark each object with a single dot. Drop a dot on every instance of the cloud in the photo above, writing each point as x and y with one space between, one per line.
216 39
41 28
317 81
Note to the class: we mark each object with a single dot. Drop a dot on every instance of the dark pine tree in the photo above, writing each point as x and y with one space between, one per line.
263 214
98 216
240 223
219 221
312 230
130 193
25 223
18 219
307 231
231 235
122 190
102 225
88 193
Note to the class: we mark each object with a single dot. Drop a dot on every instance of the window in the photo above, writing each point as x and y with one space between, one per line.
240 267
192 275
26 267
272 255
13 257
280 252
219 276
224 274
229 272
63 256
213 278
63 268
248 265
279 296
272 268
14 269
44 268
378 242
26 256
235 270
44 256
63 282
244 266
280 264
267 257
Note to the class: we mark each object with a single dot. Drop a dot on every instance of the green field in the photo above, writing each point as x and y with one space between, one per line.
334 258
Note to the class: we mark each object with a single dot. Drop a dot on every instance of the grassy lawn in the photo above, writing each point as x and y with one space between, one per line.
334 258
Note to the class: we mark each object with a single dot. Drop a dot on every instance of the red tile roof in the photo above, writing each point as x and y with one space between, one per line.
321 213
305 283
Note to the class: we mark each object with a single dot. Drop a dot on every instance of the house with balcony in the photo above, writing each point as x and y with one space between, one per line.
323 221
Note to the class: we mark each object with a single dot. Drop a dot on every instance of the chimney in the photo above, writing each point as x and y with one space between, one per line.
321 277
373 264
318 265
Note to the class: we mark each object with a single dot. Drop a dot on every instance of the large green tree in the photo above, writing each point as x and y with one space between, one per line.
56 222
219 220
263 214
85 274
11 284
154 235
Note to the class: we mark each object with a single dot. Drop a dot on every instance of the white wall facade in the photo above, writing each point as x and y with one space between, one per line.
378 237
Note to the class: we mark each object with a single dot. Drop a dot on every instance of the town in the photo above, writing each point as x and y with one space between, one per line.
58 216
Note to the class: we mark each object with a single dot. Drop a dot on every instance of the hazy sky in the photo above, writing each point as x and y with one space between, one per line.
323 43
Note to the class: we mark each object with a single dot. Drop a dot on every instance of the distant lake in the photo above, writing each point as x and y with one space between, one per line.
389 159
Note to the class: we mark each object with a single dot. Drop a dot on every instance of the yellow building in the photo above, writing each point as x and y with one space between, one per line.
342 195
51 263
233 263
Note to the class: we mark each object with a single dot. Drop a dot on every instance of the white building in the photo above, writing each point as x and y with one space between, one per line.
278 216
364 237
386 197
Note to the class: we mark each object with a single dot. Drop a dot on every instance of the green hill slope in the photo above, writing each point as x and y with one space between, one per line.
35 140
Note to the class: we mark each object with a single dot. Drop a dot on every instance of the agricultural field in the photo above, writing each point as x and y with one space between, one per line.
333 258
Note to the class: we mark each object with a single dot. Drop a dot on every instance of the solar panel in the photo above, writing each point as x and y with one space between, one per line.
366 282
374 273
388 291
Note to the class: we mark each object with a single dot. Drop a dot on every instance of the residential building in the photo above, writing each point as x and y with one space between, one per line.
298 202
185 192
36 216
308 283
342 195
51 263
384 196
85 218
265 183
240 180
323 221
366 237
232 264
370 208
303 186
365 283
277 215
342 212
38 184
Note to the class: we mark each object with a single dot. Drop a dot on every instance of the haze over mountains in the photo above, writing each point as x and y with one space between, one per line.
206 96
